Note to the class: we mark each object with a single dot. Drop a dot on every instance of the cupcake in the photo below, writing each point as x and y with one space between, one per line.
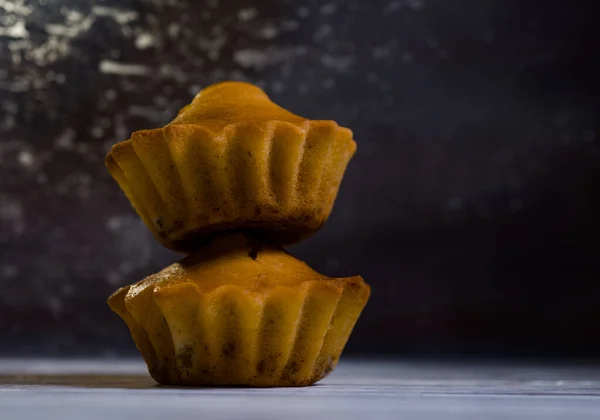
232 160
238 312
230 180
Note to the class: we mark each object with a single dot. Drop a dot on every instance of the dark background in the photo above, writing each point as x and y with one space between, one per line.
471 206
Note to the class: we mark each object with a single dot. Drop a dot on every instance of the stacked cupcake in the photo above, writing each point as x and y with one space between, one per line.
229 181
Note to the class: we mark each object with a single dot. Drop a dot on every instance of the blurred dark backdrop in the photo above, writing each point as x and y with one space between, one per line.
471 206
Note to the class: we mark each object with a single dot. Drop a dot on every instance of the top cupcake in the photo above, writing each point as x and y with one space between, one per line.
233 160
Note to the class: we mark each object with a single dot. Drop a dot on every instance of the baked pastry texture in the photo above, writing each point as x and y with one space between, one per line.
238 313
233 159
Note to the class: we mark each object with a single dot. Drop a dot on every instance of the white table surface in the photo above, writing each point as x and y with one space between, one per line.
367 389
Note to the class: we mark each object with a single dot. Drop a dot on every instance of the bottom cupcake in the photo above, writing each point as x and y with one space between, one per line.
240 313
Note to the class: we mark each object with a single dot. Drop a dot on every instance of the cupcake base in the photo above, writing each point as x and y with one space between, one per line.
275 231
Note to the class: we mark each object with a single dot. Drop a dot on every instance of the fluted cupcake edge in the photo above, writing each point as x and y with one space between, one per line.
273 177
286 336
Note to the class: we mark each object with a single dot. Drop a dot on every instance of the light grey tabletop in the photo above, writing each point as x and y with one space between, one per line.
367 389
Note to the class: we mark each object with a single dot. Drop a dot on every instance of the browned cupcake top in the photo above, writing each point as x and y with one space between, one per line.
240 261
222 104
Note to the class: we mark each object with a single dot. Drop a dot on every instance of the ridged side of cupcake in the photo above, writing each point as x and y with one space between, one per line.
274 177
285 336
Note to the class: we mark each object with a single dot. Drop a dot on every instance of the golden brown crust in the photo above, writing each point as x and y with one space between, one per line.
231 178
